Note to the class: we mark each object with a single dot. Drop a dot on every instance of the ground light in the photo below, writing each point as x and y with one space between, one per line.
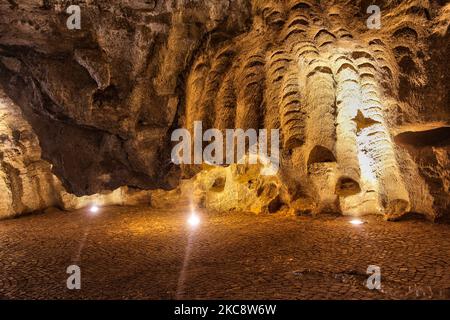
194 220
94 209
356 222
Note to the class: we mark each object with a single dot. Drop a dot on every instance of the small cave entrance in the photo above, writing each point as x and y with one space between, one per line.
436 137
320 154
275 205
347 187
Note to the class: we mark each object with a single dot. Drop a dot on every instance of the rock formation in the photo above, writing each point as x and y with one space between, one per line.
26 181
363 113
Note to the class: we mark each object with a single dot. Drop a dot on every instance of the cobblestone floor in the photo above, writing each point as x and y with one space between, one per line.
132 253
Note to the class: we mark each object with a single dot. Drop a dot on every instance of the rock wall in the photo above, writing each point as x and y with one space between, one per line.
363 113
27 183
340 93
103 99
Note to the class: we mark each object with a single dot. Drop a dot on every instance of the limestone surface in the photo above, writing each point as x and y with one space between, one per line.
27 183
363 113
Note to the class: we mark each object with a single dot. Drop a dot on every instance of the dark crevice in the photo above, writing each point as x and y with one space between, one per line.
320 154
439 137
347 187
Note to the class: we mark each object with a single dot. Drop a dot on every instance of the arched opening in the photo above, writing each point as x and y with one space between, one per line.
347 186
320 154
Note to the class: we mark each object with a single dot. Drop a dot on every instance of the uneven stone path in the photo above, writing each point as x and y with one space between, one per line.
135 253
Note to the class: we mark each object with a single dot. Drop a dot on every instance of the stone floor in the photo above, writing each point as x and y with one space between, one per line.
132 253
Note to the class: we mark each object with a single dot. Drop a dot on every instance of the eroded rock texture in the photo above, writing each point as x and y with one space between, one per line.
26 182
364 114
238 188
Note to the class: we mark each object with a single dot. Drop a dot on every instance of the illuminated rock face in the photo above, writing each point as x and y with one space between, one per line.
363 113
333 87
238 188
26 183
